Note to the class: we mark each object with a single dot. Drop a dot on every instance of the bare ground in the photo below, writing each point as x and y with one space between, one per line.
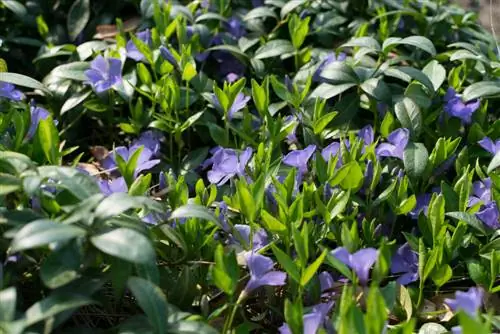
484 8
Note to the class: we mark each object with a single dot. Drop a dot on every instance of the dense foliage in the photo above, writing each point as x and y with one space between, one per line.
303 166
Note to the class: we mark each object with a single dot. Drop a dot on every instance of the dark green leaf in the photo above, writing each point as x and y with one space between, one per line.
125 244
152 301
78 16
274 48
43 232
408 114
481 89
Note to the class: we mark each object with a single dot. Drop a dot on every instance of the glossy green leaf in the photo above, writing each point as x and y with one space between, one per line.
125 244
43 232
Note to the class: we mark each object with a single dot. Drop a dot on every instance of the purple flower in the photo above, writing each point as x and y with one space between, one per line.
405 261
226 163
168 56
259 238
382 109
261 273
329 59
489 145
150 140
162 181
326 284
367 135
332 150
299 158
311 321
144 161
360 262
104 74
154 218
238 104
37 114
455 107
470 302
232 77
117 185
228 65
10 92
423 201
132 51
235 27
291 137
397 141
489 215
481 192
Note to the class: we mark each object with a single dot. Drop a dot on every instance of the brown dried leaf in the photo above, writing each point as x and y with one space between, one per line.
99 152
106 31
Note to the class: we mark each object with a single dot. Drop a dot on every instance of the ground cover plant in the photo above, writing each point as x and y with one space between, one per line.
304 166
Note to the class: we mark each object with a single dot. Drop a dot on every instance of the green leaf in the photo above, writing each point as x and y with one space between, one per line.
290 6
16 7
405 301
339 73
436 73
9 184
366 42
47 139
235 51
72 71
191 327
118 203
472 324
481 89
432 328
8 298
225 272
247 203
78 17
470 219
260 12
287 263
320 124
54 304
43 232
61 266
418 94
194 211
293 315
274 48
140 185
420 42
152 301
355 177
312 268
442 275
415 158
272 224
408 114
407 205
22 80
74 101
408 73
494 163
327 91
377 88
125 244
436 215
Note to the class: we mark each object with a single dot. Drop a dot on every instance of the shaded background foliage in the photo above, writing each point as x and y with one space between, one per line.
305 156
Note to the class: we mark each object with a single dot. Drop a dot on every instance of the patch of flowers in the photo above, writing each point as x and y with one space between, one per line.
250 167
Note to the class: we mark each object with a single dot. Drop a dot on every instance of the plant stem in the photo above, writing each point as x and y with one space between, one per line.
229 321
